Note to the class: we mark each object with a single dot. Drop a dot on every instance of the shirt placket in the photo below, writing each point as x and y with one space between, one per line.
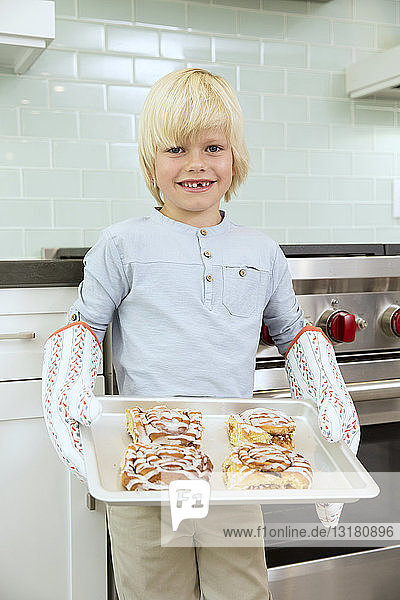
207 260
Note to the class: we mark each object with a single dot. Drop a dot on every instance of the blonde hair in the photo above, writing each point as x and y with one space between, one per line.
183 104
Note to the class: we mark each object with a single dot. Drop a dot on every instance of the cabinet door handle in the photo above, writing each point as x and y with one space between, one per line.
20 335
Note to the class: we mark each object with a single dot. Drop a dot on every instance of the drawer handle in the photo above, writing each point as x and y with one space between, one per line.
21 335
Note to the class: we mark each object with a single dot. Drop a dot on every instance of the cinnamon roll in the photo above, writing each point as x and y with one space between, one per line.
153 466
261 426
266 466
164 425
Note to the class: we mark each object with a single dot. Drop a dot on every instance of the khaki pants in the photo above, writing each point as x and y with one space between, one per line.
197 559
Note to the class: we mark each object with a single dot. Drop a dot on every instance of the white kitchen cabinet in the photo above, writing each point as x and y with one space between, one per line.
52 547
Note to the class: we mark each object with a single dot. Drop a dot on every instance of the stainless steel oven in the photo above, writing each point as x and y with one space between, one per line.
353 293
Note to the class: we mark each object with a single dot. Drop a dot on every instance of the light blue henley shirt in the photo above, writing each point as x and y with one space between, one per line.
187 304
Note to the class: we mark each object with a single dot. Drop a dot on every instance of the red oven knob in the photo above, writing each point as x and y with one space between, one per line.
342 326
390 320
339 325
265 338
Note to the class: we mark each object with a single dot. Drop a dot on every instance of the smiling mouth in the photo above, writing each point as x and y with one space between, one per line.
196 185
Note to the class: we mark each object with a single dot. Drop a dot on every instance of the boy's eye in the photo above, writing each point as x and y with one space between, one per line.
214 148
175 150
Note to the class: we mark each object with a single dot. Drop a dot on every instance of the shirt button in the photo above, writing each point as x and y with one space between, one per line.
242 273
209 277
207 254
203 231
74 317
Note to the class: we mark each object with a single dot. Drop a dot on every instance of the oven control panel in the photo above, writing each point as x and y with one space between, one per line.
366 321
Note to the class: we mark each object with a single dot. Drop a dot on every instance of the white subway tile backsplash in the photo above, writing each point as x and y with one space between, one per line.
378 215
262 133
55 63
72 213
353 34
226 50
388 36
79 155
109 184
27 153
351 138
36 239
382 11
354 235
285 108
251 105
330 163
23 213
322 165
11 243
290 6
307 83
308 189
51 183
127 99
351 190
122 210
330 111
105 10
245 213
307 136
311 235
185 46
107 127
262 187
285 54
21 91
8 121
337 9
294 215
77 95
212 19
323 215
65 8
329 58
124 156
155 12
10 183
260 24
148 71
105 68
75 35
373 116
49 123
285 161
367 164
304 29
253 79
132 40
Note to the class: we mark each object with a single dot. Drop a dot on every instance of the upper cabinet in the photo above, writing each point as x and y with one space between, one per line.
27 27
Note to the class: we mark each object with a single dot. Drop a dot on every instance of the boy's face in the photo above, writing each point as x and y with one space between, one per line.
193 178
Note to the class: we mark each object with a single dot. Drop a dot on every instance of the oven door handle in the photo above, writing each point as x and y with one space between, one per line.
365 390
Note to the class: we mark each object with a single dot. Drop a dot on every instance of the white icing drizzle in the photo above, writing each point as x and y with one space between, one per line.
144 465
164 425
268 459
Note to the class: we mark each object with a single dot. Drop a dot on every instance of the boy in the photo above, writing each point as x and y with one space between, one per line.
181 287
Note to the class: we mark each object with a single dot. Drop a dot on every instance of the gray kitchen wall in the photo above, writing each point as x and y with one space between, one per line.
322 165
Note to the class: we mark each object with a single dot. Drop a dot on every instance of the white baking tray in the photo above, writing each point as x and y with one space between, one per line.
338 474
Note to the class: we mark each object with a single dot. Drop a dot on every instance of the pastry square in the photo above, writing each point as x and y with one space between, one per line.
163 425
154 466
261 426
266 467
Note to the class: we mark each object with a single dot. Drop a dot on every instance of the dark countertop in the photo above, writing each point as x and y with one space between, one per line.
40 273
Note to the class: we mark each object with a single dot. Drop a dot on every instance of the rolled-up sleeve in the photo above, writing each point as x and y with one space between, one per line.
282 315
104 286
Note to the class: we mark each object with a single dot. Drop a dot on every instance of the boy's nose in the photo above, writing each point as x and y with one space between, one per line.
195 162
